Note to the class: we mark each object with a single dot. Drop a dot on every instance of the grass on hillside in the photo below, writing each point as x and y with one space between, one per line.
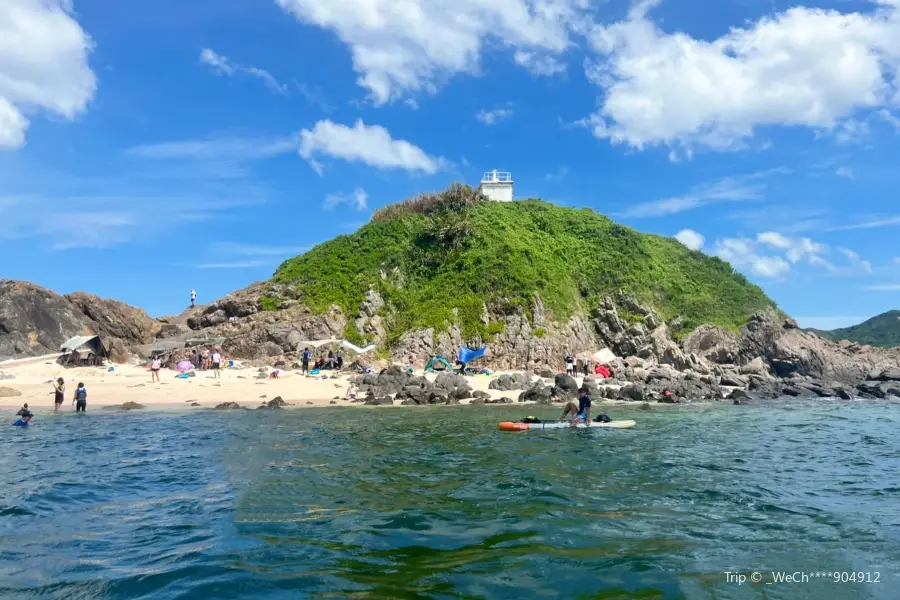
437 253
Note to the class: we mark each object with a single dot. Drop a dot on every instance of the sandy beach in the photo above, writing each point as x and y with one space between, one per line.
131 383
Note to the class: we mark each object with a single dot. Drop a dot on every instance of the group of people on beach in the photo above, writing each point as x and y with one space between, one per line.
79 399
334 360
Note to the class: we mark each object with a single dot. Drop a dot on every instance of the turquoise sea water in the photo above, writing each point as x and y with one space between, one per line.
436 503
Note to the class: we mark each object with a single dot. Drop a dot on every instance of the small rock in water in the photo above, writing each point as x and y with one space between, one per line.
332 402
645 406
228 406
308 402
6 392
195 404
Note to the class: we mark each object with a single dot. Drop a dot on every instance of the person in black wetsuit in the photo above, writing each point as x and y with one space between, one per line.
581 412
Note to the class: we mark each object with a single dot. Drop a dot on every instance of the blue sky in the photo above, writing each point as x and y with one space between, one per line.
150 147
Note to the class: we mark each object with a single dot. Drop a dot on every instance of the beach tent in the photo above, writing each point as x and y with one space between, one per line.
317 343
603 357
84 343
467 355
185 366
438 363
348 346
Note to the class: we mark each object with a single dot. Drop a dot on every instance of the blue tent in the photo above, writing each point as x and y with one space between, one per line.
467 355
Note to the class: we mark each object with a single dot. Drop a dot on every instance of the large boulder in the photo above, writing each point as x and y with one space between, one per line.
512 381
715 344
35 321
539 393
567 384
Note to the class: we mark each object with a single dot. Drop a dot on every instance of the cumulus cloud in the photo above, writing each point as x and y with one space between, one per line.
43 65
690 238
772 254
489 117
742 253
358 200
796 248
844 172
416 45
805 67
368 144
221 65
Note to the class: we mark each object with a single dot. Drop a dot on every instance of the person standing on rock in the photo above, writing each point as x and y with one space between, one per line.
193 297
59 393
586 364
305 360
80 398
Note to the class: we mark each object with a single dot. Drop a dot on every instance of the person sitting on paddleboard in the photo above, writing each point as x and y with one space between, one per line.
582 412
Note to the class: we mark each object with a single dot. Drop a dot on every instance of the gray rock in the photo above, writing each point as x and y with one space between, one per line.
633 392
228 406
567 384
732 380
383 401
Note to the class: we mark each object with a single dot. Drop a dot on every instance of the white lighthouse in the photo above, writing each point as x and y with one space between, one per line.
497 185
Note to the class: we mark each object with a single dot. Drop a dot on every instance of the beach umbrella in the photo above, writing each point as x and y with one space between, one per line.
185 366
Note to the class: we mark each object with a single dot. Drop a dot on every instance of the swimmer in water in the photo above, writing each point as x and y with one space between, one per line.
23 421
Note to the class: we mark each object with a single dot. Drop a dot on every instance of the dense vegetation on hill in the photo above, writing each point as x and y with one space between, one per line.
883 331
431 254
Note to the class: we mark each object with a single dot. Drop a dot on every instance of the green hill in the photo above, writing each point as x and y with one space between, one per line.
430 255
883 331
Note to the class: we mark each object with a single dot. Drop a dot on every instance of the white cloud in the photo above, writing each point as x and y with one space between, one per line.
727 189
844 172
741 253
896 260
796 248
886 115
219 148
854 258
805 67
489 117
414 46
371 145
43 65
223 66
690 238
884 288
542 65
358 200
873 223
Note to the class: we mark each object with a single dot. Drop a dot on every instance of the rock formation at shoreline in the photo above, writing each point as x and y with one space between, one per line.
531 281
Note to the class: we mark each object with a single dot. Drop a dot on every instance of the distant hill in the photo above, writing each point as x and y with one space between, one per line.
882 331
449 257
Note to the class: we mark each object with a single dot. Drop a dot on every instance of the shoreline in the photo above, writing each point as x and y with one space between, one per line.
246 386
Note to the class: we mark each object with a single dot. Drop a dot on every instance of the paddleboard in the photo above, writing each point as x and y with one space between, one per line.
513 426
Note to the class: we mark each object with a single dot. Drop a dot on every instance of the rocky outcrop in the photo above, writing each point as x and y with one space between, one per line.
787 350
36 321
511 381
715 344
